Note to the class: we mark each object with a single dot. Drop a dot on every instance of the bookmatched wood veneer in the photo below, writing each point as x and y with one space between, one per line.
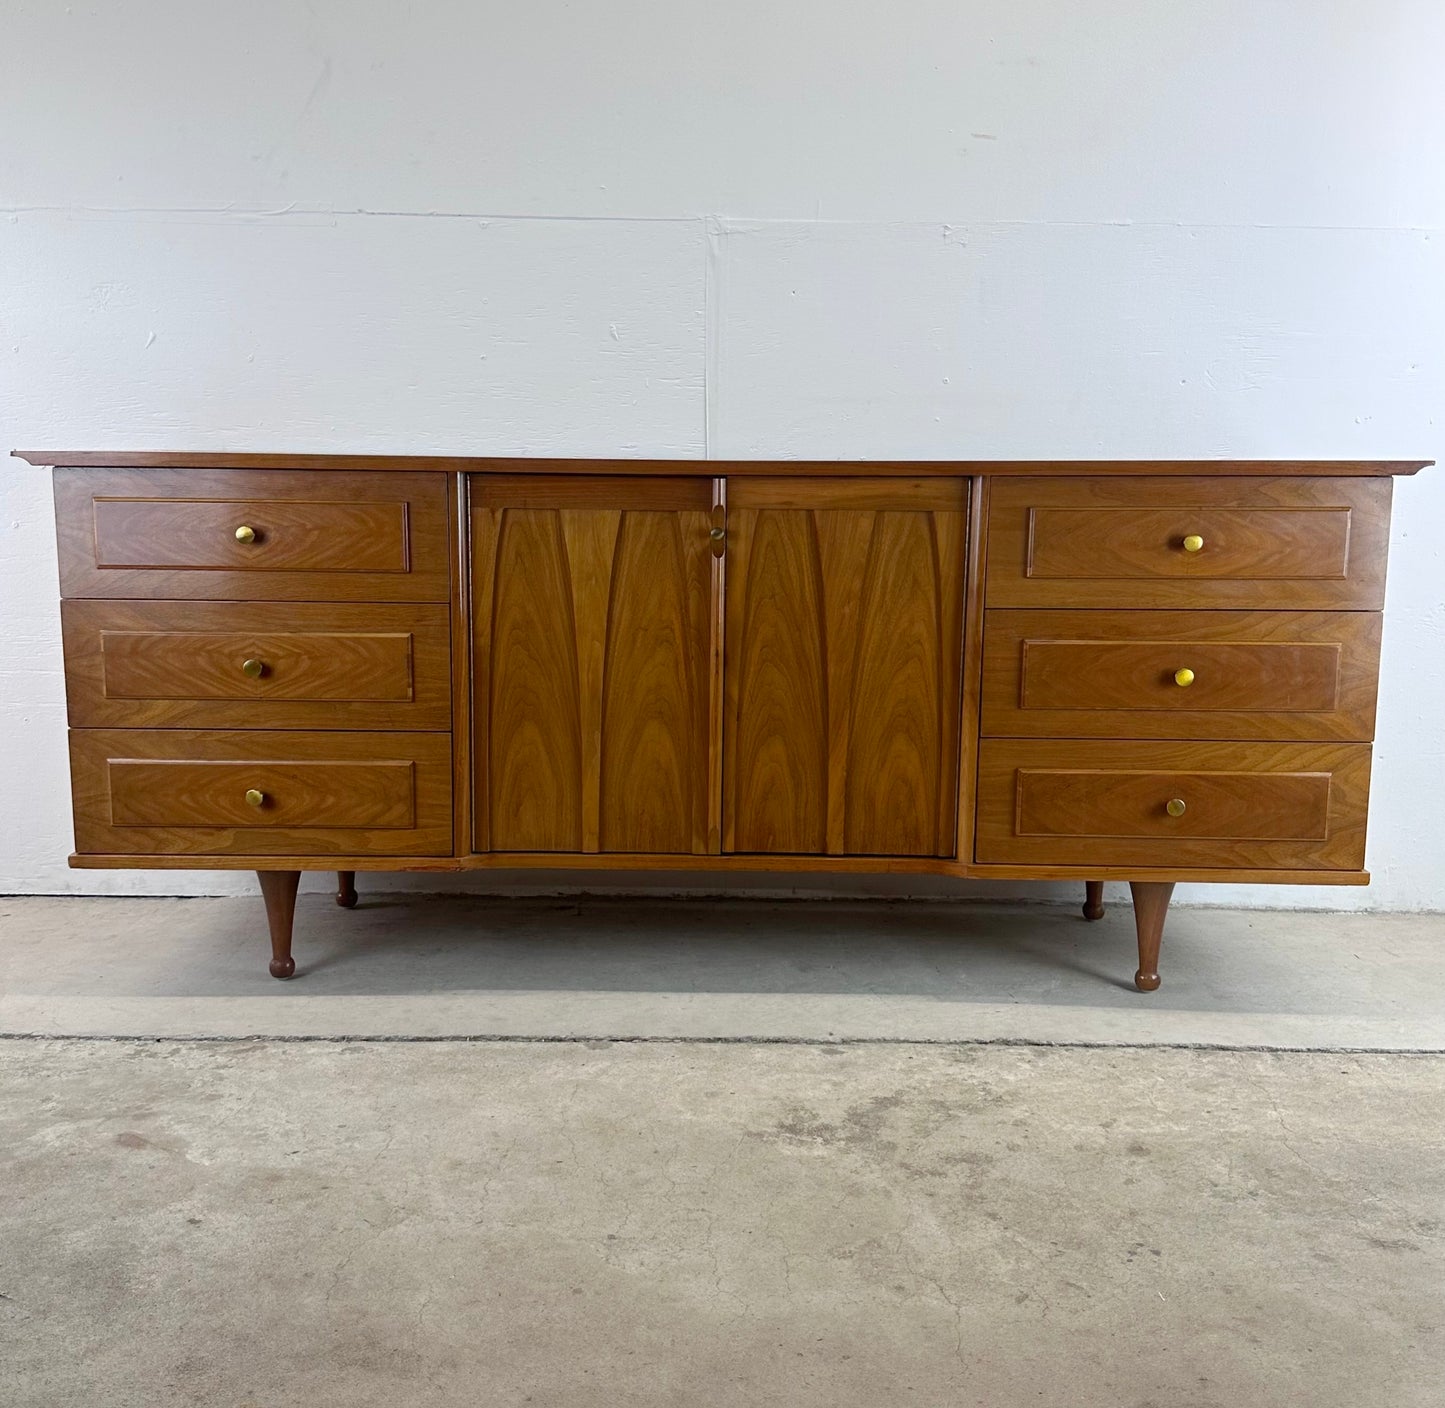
1270 543
217 791
313 536
212 664
1307 675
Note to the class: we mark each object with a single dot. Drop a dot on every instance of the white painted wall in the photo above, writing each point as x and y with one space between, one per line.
935 228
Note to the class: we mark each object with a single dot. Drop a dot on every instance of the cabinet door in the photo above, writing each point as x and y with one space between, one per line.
844 633
595 687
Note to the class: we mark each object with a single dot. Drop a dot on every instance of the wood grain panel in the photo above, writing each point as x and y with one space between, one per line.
178 664
533 731
844 637
902 711
1128 543
1247 805
655 687
1268 543
182 792
1109 803
175 792
563 491
594 669
856 492
291 535
170 534
1111 674
1282 676
776 744
329 666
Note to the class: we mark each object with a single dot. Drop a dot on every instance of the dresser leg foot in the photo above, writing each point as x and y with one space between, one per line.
278 889
1093 899
346 889
1151 904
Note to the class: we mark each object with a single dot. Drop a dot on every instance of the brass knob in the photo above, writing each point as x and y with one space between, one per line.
1175 806
1184 678
254 669
256 798
717 534
245 534
1193 543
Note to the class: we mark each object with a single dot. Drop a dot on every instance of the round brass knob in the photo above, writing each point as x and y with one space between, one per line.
1184 678
256 798
717 534
1193 543
254 669
245 534
1175 806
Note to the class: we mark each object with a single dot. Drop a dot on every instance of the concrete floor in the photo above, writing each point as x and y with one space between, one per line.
407 966
583 1225
570 1223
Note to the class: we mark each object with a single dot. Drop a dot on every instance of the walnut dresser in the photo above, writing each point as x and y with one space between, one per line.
1149 672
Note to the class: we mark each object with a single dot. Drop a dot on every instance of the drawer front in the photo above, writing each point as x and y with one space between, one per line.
271 794
256 665
177 792
1153 542
1181 674
1251 806
253 535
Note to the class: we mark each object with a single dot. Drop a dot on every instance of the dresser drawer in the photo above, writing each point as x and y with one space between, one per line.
256 665
1307 675
177 792
1251 806
252 535
1272 543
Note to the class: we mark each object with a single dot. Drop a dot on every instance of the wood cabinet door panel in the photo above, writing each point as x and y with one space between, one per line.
314 536
776 748
1244 805
1307 675
656 683
844 632
1287 544
1111 803
184 792
149 664
594 666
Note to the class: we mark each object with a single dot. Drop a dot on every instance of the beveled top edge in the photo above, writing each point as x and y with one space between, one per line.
454 464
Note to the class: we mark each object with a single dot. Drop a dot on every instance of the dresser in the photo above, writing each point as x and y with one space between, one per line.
1149 672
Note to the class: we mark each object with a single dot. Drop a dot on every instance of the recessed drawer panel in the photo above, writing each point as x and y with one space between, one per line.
257 665
174 791
272 793
1067 544
1181 674
253 534
1170 804
1272 543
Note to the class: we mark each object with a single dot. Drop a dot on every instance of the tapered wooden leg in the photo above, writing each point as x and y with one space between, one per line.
346 889
1151 904
1093 899
278 888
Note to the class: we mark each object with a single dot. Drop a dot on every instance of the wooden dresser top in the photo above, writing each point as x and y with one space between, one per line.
454 464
